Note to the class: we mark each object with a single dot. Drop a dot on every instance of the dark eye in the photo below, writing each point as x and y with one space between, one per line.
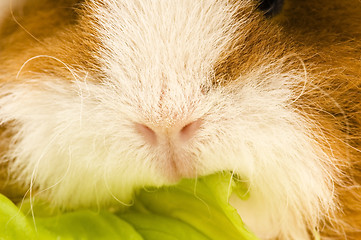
271 7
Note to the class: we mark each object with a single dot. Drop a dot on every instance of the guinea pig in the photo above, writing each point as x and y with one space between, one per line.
99 98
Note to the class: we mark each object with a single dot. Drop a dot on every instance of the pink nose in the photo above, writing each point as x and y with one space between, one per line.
184 134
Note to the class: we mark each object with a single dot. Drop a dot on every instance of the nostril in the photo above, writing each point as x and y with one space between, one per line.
189 130
148 134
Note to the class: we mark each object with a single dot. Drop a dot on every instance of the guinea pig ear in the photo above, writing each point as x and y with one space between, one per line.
270 7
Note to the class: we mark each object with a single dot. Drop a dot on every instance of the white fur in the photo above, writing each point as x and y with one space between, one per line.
77 142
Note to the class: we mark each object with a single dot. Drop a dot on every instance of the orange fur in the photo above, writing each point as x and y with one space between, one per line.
333 32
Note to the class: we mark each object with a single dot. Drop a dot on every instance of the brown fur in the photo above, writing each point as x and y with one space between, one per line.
325 35
331 28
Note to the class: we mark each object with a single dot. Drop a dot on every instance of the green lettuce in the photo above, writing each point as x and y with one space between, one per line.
193 209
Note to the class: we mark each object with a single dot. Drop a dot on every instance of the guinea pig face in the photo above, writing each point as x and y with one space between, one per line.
145 93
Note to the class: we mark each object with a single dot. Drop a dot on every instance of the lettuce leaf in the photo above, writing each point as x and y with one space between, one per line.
193 209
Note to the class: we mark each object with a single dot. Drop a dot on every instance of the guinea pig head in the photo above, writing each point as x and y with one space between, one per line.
131 94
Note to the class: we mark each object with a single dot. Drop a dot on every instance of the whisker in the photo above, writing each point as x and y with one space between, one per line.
33 176
81 96
111 193
229 190
19 211
20 25
46 56
62 178
344 115
198 197
305 80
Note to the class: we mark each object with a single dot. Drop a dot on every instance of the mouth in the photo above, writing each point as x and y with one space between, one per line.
177 168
